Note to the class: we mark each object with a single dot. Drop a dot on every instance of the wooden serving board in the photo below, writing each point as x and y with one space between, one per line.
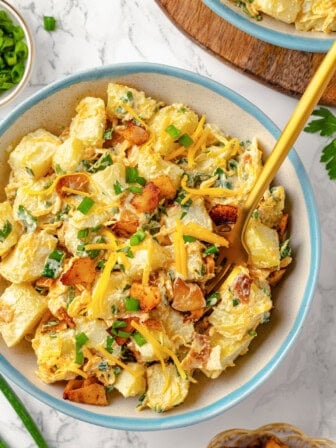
288 71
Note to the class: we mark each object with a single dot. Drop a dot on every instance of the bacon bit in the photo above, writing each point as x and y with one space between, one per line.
65 316
44 282
167 189
148 295
127 225
187 296
282 226
195 315
82 270
136 135
199 353
148 200
76 181
223 214
275 277
210 265
88 391
242 287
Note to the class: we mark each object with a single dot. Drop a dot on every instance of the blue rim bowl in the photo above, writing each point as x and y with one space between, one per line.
281 35
221 402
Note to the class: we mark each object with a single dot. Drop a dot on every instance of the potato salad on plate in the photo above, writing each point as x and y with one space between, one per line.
109 236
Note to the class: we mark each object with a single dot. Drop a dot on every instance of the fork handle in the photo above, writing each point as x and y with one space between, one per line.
292 130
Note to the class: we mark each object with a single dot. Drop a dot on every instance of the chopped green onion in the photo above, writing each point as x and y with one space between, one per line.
17 72
135 189
108 134
185 140
10 58
189 238
82 233
235 302
218 172
49 23
80 340
27 219
139 339
124 334
103 162
118 189
213 249
109 344
137 237
5 231
173 131
132 304
119 324
86 205
212 299
127 250
53 265
132 176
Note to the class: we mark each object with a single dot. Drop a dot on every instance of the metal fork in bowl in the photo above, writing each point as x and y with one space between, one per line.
238 252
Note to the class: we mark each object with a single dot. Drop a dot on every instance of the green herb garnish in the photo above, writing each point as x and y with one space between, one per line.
86 205
53 265
27 219
173 131
137 237
326 127
80 340
49 23
132 304
5 231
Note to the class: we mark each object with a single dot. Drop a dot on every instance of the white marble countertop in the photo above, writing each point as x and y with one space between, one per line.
302 390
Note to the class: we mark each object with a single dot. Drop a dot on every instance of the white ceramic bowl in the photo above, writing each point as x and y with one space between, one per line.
52 108
286 433
271 30
17 19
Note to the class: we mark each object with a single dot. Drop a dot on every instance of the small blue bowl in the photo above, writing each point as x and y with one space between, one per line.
52 108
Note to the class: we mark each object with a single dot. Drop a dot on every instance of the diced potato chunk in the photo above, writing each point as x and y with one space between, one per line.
284 10
178 115
9 229
88 125
69 155
28 307
118 95
26 262
151 165
166 389
103 182
32 157
263 244
130 385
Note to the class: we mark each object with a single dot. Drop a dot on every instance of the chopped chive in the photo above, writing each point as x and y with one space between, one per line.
212 299
132 304
235 302
49 23
53 265
139 339
82 233
86 205
135 189
109 344
80 340
5 231
213 249
173 131
189 238
137 237
118 189
185 140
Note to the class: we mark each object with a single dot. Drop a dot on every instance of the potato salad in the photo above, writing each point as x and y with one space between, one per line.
306 15
109 236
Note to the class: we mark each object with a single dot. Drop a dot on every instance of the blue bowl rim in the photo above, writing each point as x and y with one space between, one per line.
167 421
255 29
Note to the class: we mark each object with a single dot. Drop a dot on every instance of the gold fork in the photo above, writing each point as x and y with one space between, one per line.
238 253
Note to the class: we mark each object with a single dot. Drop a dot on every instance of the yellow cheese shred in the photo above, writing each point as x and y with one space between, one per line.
192 150
157 347
146 271
102 283
77 371
180 249
201 233
115 360
213 191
